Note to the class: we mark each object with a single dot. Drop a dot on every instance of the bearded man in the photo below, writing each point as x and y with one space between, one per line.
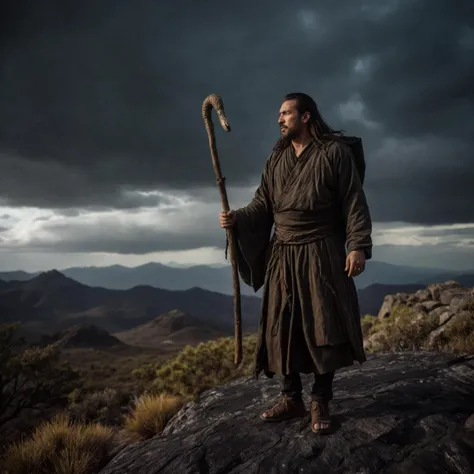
311 194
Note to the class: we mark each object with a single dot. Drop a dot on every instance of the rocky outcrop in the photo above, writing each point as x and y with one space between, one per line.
395 414
448 297
443 305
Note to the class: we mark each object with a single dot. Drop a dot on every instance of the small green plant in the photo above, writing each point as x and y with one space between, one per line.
367 323
31 379
104 406
403 330
146 373
204 366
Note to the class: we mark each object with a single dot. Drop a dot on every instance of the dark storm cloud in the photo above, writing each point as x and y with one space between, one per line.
130 240
31 182
443 255
132 236
99 97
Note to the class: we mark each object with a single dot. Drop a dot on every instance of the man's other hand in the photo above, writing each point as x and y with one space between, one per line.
355 263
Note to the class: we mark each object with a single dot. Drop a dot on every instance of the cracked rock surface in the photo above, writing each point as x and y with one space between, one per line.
405 413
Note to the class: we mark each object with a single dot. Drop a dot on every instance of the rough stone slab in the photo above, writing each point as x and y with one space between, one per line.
396 414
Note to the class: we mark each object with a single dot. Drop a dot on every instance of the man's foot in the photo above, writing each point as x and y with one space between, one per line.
285 409
320 417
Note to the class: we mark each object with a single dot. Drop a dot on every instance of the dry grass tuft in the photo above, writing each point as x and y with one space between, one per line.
61 447
151 414
179 379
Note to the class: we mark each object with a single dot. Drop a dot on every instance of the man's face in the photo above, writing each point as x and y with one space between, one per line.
290 122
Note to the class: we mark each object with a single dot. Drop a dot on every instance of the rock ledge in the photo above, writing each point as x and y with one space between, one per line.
397 413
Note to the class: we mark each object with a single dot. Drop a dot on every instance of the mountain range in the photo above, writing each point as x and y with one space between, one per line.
51 302
219 279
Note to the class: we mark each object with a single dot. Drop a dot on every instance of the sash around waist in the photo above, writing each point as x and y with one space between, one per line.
302 227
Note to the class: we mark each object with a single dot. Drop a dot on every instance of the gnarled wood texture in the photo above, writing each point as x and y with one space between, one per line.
215 102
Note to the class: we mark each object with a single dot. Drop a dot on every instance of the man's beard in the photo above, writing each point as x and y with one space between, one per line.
288 133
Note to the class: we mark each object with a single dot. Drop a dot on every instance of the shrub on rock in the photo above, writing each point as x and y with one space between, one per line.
439 318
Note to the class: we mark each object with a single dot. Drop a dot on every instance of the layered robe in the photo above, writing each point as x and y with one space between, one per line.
316 205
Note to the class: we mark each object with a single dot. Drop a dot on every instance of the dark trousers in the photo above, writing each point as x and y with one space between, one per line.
321 390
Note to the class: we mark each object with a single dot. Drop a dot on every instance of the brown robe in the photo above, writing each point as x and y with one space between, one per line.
310 319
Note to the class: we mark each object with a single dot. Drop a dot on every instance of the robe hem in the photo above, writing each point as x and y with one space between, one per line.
270 374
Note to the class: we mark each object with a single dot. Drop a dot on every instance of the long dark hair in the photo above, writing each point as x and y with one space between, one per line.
319 129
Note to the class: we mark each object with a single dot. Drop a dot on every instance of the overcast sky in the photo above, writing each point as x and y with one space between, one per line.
103 153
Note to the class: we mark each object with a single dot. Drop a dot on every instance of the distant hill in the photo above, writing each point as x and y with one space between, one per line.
388 274
18 275
89 336
219 279
174 327
464 279
51 280
52 302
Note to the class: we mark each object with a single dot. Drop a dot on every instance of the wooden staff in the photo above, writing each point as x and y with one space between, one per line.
214 101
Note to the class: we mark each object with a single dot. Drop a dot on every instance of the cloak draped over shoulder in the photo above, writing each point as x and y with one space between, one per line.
310 319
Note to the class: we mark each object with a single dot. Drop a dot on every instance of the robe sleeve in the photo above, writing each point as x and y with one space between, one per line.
353 202
253 228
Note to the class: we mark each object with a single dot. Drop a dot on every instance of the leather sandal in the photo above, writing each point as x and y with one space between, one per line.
285 409
320 416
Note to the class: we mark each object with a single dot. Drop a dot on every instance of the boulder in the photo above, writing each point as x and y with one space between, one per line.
455 295
387 306
395 414
440 310
420 308
431 305
462 301
445 317
423 295
437 288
